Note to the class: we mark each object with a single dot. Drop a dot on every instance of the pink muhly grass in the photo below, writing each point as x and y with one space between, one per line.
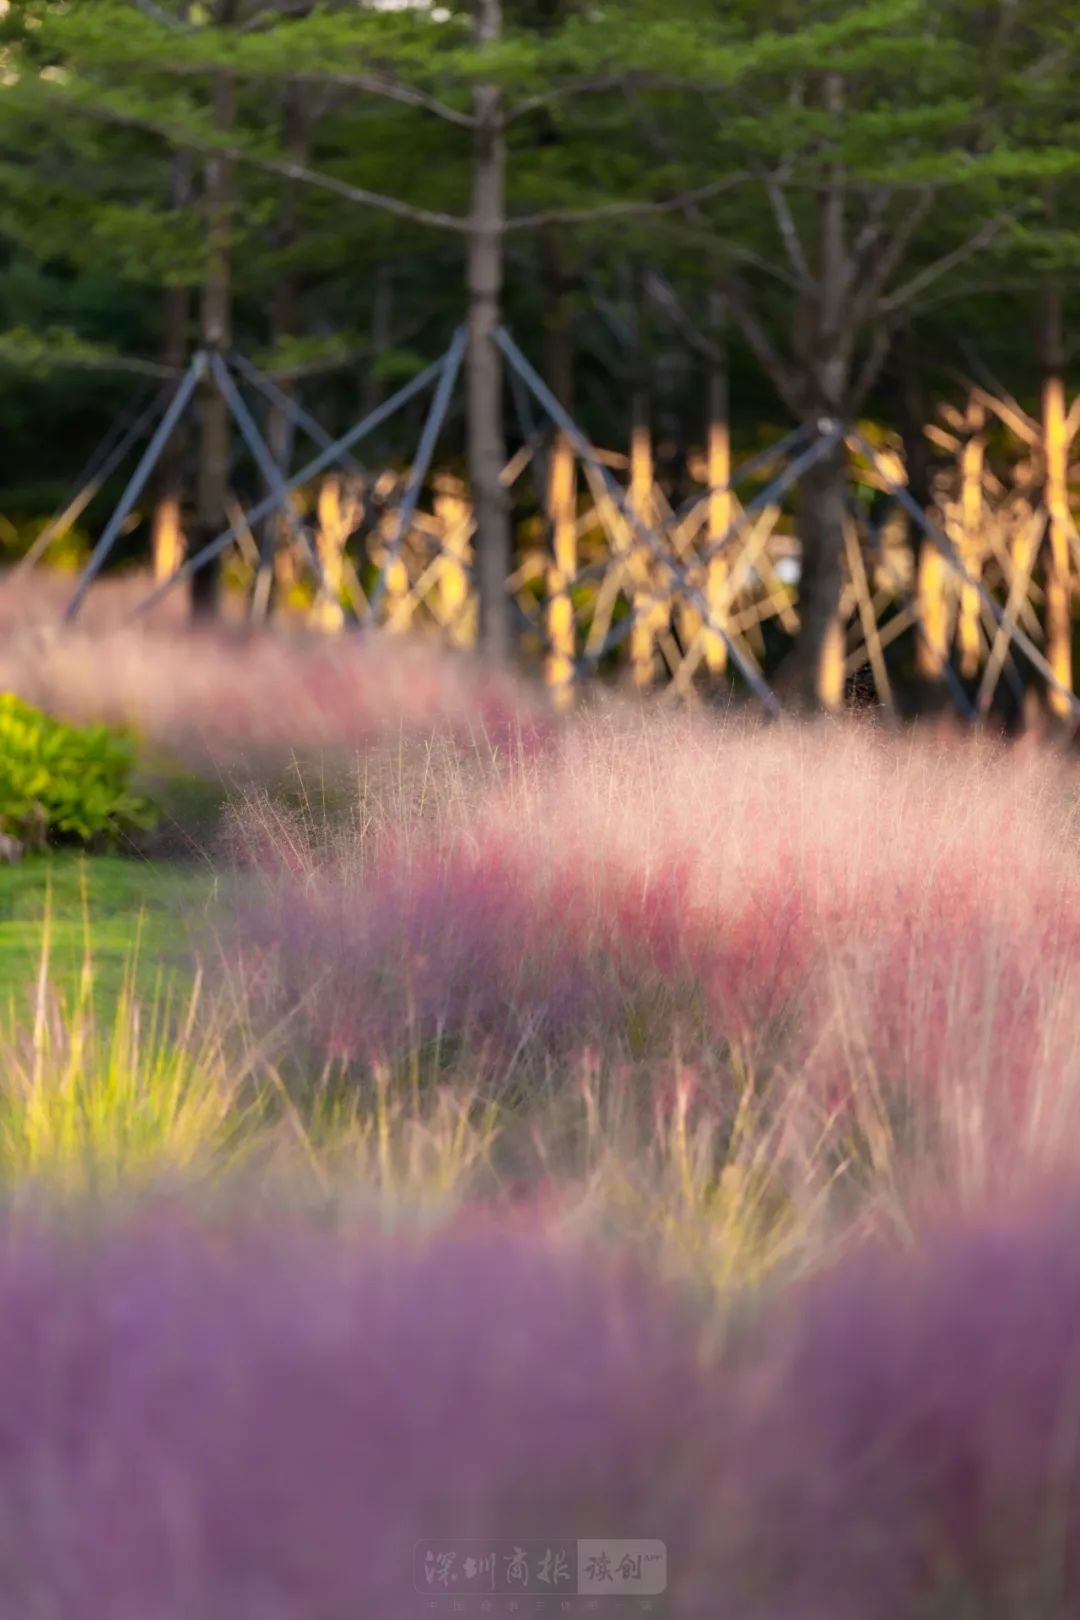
879 918
261 1425
228 697
907 1442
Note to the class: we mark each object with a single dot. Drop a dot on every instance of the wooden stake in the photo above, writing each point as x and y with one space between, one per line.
334 525
643 634
933 647
167 542
457 607
973 458
1025 549
719 505
867 619
1056 461
562 509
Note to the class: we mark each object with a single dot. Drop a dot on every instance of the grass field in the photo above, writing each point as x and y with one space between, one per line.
124 908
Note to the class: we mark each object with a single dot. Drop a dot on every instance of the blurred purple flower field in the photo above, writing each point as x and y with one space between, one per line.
263 1422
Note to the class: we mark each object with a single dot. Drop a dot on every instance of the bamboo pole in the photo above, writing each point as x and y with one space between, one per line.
1056 465
719 503
972 463
642 636
867 620
1025 550
562 509
456 609
933 649
336 518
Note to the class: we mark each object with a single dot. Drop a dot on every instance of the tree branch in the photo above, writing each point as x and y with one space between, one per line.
319 180
158 14
783 378
789 233
370 83
666 298
579 216
20 354
870 233
186 139
273 13
870 369
631 80
391 89
867 295
933 272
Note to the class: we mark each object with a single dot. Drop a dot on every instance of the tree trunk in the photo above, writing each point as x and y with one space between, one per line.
280 432
972 463
1056 463
214 437
929 569
561 493
643 633
720 507
486 443
382 336
558 320
167 531
815 671
562 510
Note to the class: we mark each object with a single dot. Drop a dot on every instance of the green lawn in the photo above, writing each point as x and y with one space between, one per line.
116 904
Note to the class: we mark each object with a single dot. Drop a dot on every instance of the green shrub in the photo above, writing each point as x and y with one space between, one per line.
64 784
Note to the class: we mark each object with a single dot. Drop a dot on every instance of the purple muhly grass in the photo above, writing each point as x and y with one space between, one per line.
200 1426
907 1442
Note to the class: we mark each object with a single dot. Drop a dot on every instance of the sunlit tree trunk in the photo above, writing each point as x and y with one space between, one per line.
214 437
280 433
486 442
561 475
643 633
816 673
972 463
1056 462
933 606
562 508
381 328
929 570
167 533
720 506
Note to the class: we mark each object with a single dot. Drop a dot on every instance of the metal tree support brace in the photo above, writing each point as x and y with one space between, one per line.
440 404
265 461
263 508
136 482
122 435
293 409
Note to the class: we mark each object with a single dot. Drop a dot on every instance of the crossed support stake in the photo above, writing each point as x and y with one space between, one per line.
798 451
